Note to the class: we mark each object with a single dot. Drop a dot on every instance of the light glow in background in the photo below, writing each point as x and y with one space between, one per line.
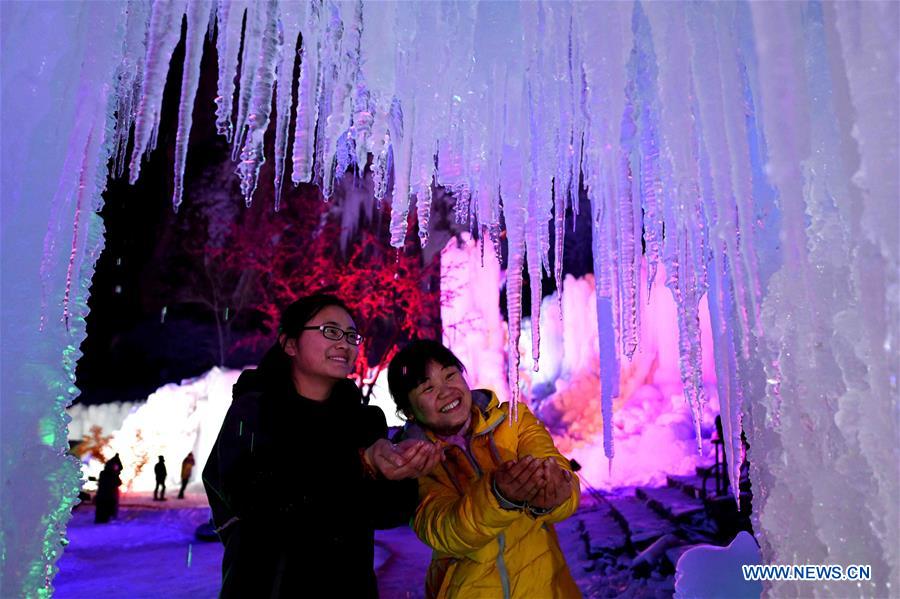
654 432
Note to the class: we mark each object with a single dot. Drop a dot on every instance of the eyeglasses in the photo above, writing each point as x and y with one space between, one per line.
336 333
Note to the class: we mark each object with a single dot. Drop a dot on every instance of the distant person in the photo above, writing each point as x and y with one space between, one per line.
488 513
302 472
160 471
187 466
116 462
106 501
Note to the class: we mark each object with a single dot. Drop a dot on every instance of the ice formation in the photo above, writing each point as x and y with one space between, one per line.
751 147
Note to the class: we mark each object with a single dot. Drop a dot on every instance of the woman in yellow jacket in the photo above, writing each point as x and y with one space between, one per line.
488 510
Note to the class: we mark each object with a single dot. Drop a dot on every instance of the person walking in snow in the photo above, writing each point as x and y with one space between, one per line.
160 471
187 466
302 472
488 511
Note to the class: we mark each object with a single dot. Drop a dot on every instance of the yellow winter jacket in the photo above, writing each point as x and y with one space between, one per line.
480 549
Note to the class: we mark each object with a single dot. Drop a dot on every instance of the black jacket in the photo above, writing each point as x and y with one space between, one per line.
288 492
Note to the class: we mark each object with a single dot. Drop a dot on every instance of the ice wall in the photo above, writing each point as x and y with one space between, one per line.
651 418
750 148
59 62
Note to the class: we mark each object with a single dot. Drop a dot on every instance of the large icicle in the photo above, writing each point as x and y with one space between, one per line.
129 77
165 29
252 155
647 159
292 15
603 60
341 69
307 108
401 145
683 249
252 50
230 20
514 212
197 22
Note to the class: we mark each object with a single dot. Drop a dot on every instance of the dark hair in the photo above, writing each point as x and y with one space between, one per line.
293 319
407 369
300 312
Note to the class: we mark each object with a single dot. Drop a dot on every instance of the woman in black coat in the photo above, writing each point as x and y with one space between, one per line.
302 473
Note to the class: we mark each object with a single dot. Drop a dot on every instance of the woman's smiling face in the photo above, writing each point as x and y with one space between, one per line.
313 355
442 401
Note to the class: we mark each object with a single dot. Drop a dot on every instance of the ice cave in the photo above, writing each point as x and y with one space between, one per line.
729 171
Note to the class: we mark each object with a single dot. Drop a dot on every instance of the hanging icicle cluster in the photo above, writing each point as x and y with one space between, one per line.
514 108
750 148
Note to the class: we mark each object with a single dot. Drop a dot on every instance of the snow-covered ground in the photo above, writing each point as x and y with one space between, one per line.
150 552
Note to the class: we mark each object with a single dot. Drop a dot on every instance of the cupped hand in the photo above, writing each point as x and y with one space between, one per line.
410 458
557 486
521 480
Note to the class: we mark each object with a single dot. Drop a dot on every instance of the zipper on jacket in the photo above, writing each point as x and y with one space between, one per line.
501 565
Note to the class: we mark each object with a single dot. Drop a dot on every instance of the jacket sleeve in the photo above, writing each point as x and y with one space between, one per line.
391 502
459 525
534 440
236 484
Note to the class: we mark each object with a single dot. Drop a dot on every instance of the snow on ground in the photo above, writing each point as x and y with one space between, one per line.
150 551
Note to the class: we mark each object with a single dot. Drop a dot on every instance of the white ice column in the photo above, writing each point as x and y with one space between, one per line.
58 64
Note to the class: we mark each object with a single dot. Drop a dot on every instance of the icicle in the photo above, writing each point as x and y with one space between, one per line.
609 359
252 155
535 283
629 276
253 49
736 112
301 154
710 99
380 170
534 225
362 107
559 223
129 77
291 17
197 23
683 249
83 188
230 15
343 54
165 29
401 144
423 214
329 84
646 103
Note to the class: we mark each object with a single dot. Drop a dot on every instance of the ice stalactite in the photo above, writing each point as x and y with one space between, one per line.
165 29
341 72
332 30
307 92
514 212
643 69
251 50
230 21
129 77
292 17
567 167
604 61
260 102
628 220
684 248
198 13
751 148
401 146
